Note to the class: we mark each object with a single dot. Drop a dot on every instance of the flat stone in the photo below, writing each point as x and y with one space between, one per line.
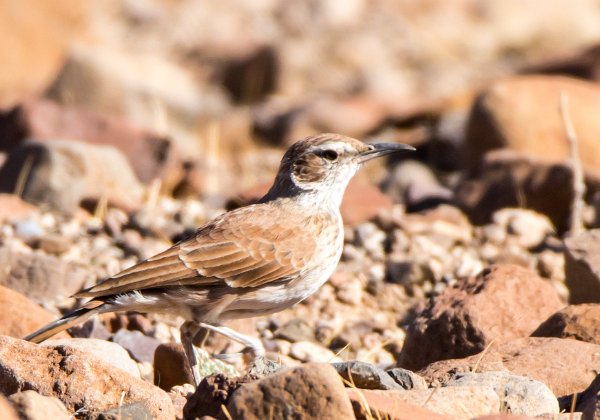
365 375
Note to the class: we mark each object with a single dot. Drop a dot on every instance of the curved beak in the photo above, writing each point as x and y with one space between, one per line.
382 149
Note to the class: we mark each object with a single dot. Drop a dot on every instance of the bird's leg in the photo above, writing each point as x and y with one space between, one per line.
189 331
251 343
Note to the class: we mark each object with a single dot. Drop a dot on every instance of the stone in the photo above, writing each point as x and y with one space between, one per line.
135 411
528 227
7 412
42 278
171 366
565 366
307 351
106 79
507 178
455 402
414 184
372 404
213 393
521 113
35 38
578 322
92 172
582 267
21 316
148 153
140 346
78 379
501 303
30 405
310 391
110 353
13 208
518 395
588 402
407 379
365 375
363 201
295 330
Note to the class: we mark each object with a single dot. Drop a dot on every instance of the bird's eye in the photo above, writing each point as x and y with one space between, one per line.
330 155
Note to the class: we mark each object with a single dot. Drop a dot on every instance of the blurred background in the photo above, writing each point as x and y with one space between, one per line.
201 97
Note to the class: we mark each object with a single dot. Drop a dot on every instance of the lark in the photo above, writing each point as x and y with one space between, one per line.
252 261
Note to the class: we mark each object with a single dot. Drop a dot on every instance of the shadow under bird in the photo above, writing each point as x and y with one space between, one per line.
252 261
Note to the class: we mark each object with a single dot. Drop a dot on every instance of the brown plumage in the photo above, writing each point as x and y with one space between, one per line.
251 261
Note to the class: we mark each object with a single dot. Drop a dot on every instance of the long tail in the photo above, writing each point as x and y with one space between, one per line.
73 318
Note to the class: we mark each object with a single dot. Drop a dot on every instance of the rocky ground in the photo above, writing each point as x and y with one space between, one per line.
469 285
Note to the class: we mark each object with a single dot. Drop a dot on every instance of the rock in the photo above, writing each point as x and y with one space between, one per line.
13 208
35 38
140 346
111 353
501 303
407 379
362 202
92 328
579 322
582 267
414 184
30 405
42 278
565 366
135 411
44 120
455 402
7 412
21 316
528 227
295 330
521 113
212 394
365 376
106 79
518 395
78 379
92 172
307 351
374 404
588 401
504 177
171 366
310 391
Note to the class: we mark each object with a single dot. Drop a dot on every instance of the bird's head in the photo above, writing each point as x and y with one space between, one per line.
324 164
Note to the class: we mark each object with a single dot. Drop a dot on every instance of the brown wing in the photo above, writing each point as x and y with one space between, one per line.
244 248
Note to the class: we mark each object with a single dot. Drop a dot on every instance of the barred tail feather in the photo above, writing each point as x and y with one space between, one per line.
71 319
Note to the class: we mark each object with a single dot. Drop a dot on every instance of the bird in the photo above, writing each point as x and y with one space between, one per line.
252 261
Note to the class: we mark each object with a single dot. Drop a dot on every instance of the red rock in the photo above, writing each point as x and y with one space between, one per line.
384 405
310 391
503 302
7 412
32 406
522 113
78 379
91 172
42 278
582 267
505 417
441 403
505 177
13 208
45 121
213 393
21 316
34 38
565 366
579 322
171 366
